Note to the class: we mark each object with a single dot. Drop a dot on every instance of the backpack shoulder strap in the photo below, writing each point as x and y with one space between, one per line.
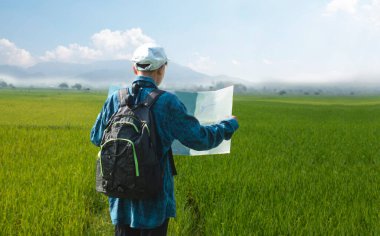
123 95
149 101
152 97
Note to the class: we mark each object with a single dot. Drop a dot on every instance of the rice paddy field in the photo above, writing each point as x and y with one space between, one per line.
298 166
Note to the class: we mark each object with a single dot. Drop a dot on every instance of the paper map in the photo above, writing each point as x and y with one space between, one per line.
208 107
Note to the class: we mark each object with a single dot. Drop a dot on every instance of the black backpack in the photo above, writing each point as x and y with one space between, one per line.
129 162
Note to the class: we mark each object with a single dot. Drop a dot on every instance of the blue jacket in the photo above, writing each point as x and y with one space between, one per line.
172 122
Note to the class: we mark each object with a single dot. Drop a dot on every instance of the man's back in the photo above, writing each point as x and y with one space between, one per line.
172 122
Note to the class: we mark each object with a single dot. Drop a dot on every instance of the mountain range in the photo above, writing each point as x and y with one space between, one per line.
101 74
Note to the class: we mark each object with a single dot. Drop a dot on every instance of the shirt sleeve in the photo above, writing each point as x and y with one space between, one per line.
110 106
187 129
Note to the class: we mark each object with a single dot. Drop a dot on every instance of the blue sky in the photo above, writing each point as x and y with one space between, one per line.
262 41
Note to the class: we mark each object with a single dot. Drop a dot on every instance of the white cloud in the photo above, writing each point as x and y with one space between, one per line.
105 45
235 62
203 64
349 6
366 12
267 62
108 40
10 54
371 13
74 53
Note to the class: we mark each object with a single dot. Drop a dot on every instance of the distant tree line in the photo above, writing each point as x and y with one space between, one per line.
4 84
238 88
76 86
307 92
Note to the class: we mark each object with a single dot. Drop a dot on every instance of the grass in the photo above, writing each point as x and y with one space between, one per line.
298 165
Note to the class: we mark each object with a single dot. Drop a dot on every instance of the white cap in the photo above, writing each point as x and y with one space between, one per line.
150 55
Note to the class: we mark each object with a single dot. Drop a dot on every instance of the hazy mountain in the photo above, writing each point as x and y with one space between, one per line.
101 74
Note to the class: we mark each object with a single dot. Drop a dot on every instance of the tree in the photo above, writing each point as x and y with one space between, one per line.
3 84
77 86
63 86
282 92
240 88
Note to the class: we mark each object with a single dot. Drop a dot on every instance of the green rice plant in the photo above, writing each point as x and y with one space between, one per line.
298 165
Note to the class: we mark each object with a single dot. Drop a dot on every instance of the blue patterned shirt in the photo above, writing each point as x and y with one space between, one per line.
172 122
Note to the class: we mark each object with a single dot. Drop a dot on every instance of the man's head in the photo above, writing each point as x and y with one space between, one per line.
150 60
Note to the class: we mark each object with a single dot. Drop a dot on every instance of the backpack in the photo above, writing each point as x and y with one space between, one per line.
129 159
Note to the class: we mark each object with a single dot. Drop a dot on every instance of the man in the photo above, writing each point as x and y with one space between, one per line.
151 217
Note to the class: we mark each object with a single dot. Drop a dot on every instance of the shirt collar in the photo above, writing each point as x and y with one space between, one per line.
145 79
